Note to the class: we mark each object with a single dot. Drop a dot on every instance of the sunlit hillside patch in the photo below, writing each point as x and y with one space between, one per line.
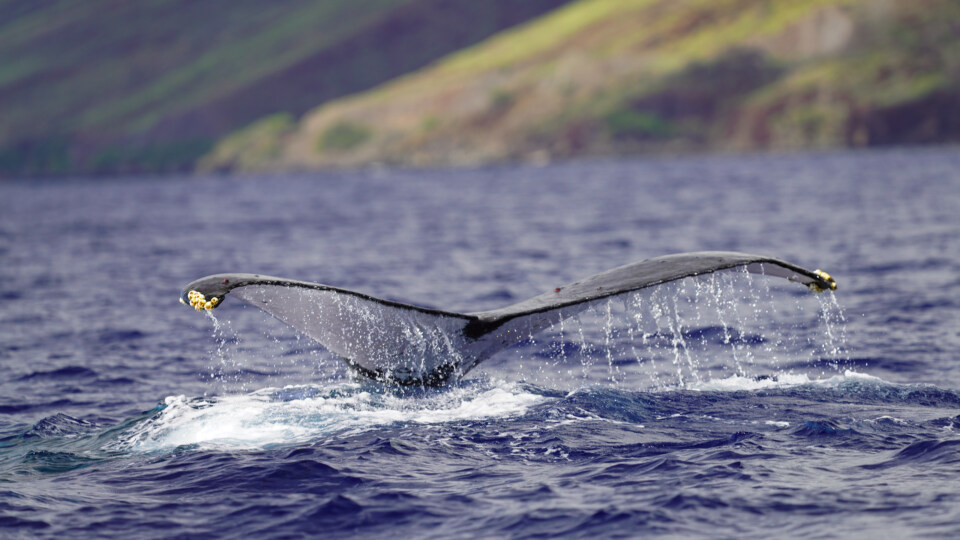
598 77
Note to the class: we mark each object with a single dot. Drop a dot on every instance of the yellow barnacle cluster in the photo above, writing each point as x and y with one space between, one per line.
827 278
199 302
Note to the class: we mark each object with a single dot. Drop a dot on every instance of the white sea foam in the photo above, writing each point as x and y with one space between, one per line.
782 380
298 414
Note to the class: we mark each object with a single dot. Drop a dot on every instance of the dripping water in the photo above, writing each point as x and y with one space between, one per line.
678 334
684 333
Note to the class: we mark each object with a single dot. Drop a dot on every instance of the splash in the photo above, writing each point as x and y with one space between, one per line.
297 414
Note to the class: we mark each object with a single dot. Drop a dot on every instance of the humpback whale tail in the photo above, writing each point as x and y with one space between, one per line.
413 345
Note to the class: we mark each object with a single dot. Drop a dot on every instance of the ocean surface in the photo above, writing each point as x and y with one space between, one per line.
730 405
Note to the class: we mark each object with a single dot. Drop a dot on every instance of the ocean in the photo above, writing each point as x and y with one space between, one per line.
728 405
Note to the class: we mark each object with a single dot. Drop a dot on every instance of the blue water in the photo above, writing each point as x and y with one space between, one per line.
729 406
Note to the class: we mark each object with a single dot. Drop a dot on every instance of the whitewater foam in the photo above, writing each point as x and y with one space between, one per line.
737 383
297 414
305 413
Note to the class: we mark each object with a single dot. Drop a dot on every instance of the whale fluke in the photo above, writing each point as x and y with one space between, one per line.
413 345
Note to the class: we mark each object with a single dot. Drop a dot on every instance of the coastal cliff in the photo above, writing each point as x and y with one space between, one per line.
623 77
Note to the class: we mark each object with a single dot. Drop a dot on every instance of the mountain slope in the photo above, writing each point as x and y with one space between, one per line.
603 77
112 86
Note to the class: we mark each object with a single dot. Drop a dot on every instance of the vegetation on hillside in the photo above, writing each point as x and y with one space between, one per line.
98 86
601 77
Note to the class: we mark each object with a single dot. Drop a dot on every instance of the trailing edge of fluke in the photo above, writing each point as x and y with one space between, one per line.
414 345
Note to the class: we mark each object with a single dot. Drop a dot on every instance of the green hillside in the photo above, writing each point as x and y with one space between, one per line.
98 86
601 77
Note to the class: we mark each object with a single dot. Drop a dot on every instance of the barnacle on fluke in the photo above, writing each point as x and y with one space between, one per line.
825 279
199 302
